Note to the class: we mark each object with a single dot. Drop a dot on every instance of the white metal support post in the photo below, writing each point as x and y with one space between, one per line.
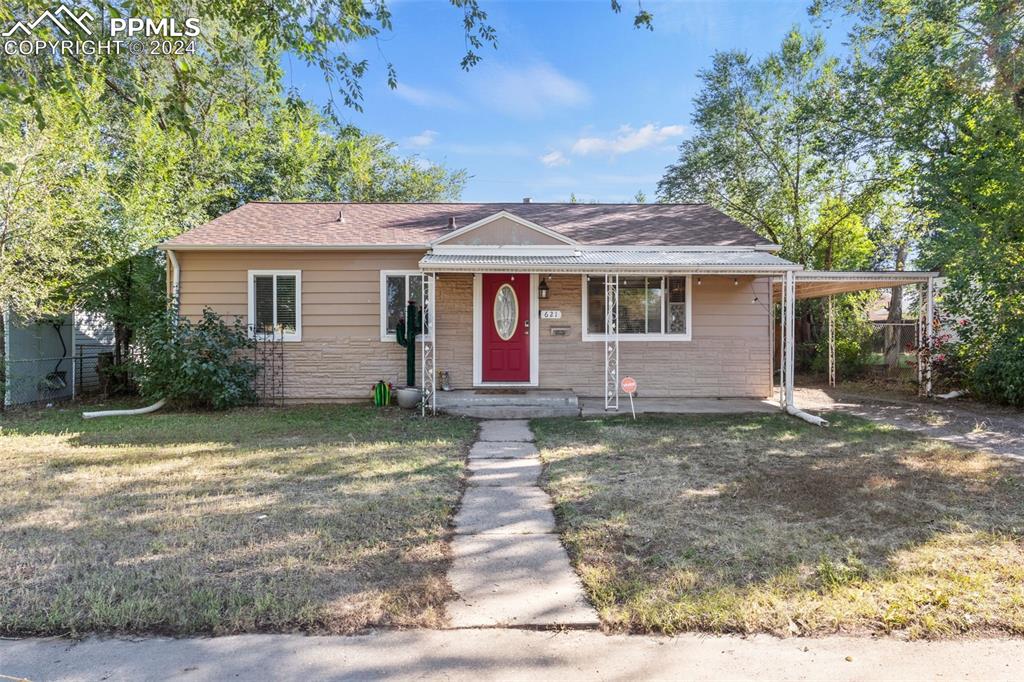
611 342
790 334
831 342
921 340
771 337
929 335
427 344
781 344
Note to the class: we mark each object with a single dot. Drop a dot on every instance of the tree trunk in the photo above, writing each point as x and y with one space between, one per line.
893 333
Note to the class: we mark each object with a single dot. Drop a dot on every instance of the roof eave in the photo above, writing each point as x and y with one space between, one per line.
761 270
170 246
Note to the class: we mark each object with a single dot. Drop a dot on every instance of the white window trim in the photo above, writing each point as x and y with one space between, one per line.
478 325
647 337
297 335
384 274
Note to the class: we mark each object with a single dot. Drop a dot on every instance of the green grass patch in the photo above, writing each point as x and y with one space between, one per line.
316 518
764 523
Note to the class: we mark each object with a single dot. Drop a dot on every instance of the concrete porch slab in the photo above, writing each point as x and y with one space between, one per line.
507 472
594 407
507 580
499 450
504 510
506 430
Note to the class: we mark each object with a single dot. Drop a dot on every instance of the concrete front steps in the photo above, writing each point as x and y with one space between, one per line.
508 403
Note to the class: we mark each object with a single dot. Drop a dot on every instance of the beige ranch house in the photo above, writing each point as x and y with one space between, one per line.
517 298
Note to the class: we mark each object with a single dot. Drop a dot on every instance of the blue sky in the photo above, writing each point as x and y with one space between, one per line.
573 100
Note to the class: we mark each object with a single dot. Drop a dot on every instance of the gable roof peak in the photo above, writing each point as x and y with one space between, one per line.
506 215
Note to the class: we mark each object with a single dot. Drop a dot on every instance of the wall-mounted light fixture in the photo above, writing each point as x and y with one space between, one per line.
698 281
542 290
735 282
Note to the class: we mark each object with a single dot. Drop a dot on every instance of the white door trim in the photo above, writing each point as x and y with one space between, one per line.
478 293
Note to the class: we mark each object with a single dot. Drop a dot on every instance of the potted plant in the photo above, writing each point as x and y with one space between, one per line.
406 331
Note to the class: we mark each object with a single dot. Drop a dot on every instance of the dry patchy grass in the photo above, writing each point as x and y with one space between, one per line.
320 518
767 524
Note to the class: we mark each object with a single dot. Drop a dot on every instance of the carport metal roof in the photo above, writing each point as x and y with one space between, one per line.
817 283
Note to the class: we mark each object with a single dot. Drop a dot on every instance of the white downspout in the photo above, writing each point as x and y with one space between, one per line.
126 413
175 291
175 280
790 340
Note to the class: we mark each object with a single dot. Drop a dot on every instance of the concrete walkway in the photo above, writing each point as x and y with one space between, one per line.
509 568
496 654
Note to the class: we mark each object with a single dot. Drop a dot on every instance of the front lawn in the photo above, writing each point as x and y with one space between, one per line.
320 518
768 524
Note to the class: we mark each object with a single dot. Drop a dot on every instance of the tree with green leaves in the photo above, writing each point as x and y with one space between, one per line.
235 35
770 149
91 187
945 84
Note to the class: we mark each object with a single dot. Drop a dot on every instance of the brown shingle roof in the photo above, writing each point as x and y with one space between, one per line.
316 224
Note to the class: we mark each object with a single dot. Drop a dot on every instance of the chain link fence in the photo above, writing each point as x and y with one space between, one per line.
50 379
893 350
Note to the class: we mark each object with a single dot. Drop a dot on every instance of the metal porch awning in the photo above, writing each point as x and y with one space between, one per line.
739 262
818 283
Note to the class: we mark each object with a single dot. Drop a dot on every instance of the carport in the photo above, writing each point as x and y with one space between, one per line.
807 284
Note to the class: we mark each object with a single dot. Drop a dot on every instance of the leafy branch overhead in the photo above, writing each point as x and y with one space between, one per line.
240 32
771 149
246 34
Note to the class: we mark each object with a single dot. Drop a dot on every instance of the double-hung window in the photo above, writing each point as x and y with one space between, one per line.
275 304
650 308
397 288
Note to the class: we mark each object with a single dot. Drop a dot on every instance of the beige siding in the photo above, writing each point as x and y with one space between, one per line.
455 327
506 232
728 355
341 354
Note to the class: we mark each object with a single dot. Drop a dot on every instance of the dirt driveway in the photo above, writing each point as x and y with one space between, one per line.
993 429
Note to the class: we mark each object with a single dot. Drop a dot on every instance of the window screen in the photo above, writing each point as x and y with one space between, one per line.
286 303
264 302
275 304
398 291
675 305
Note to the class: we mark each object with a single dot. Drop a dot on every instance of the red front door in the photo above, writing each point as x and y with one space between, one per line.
505 346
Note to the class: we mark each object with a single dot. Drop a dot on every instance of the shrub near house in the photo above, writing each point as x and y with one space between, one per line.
195 363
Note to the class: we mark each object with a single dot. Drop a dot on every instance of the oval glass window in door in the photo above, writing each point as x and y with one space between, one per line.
506 312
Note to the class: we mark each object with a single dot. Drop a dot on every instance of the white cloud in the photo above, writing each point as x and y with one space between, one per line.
529 91
424 139
511 149
553 159
627 139
426 98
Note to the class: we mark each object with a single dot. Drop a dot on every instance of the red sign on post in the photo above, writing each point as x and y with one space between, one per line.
628 385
